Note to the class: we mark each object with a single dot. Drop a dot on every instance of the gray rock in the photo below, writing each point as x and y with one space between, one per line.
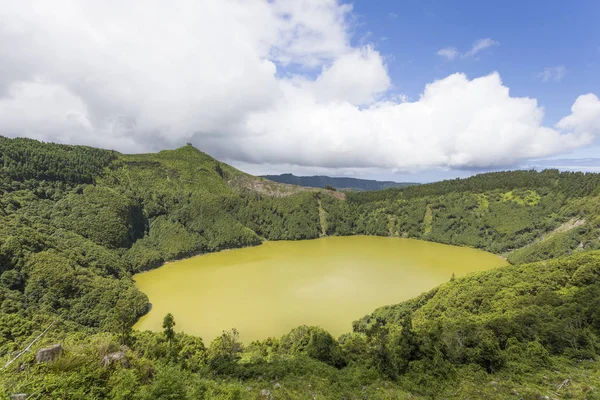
118 356
277 385
265 393
19 396
49 354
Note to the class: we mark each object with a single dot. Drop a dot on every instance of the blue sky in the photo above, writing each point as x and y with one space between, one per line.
410 90
531 36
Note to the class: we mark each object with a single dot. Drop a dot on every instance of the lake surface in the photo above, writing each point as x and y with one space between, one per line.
269 289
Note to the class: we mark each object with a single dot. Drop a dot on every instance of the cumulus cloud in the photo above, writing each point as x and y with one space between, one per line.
357 77
553 74
585 117
269 82
456 122
449 53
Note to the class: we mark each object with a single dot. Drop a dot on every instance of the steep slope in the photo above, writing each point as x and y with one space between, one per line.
121 214
77 222
520 319
499 212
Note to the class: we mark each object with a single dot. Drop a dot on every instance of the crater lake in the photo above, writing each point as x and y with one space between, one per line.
269 289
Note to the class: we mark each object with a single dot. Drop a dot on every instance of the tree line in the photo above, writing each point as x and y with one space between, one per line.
76 223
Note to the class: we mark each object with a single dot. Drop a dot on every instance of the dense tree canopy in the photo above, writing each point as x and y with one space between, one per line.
77 222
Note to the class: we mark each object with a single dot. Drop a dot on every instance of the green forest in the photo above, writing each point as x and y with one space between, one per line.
77 222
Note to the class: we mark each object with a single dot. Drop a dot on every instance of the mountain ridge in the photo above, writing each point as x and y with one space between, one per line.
339 183
77 222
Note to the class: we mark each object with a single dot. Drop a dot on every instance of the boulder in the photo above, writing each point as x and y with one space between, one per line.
118 356
18 396
49 354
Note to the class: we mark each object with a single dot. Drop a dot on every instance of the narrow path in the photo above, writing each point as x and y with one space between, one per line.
322 219
428 220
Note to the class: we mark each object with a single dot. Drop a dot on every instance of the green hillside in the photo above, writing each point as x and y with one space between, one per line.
77 222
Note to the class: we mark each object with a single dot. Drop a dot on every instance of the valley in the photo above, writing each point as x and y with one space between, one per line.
79 224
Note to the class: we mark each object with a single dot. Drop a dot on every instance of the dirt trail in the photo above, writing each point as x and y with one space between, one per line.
323 219
567 226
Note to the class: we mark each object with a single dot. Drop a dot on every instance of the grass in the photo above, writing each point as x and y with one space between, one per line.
522 198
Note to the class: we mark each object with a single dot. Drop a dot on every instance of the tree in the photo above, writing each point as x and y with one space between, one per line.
403 346
488 353
168 324
168 384
126 311
225 351
378 338
323 347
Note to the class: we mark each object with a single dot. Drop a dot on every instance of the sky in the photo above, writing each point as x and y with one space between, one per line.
407 91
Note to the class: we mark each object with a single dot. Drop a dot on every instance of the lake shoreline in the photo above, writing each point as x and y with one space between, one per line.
267 290
199 253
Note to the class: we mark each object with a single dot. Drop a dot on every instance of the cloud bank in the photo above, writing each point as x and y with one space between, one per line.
254 82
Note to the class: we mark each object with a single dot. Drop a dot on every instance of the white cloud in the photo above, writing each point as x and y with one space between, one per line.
449 53
393 15
552 74
167 70
357 77
585 117
480 45
457 122
273 82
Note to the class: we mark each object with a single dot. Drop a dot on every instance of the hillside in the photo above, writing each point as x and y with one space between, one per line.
76 223
339 183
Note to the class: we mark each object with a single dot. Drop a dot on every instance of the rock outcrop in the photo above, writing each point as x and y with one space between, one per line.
49 354
118 356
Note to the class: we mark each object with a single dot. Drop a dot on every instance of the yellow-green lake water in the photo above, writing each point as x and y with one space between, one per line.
269 289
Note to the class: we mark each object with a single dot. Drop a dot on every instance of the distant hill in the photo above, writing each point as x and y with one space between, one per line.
321 181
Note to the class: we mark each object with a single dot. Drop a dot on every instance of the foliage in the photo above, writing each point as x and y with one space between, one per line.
546 308
77 222
23 159
225 351
168 325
